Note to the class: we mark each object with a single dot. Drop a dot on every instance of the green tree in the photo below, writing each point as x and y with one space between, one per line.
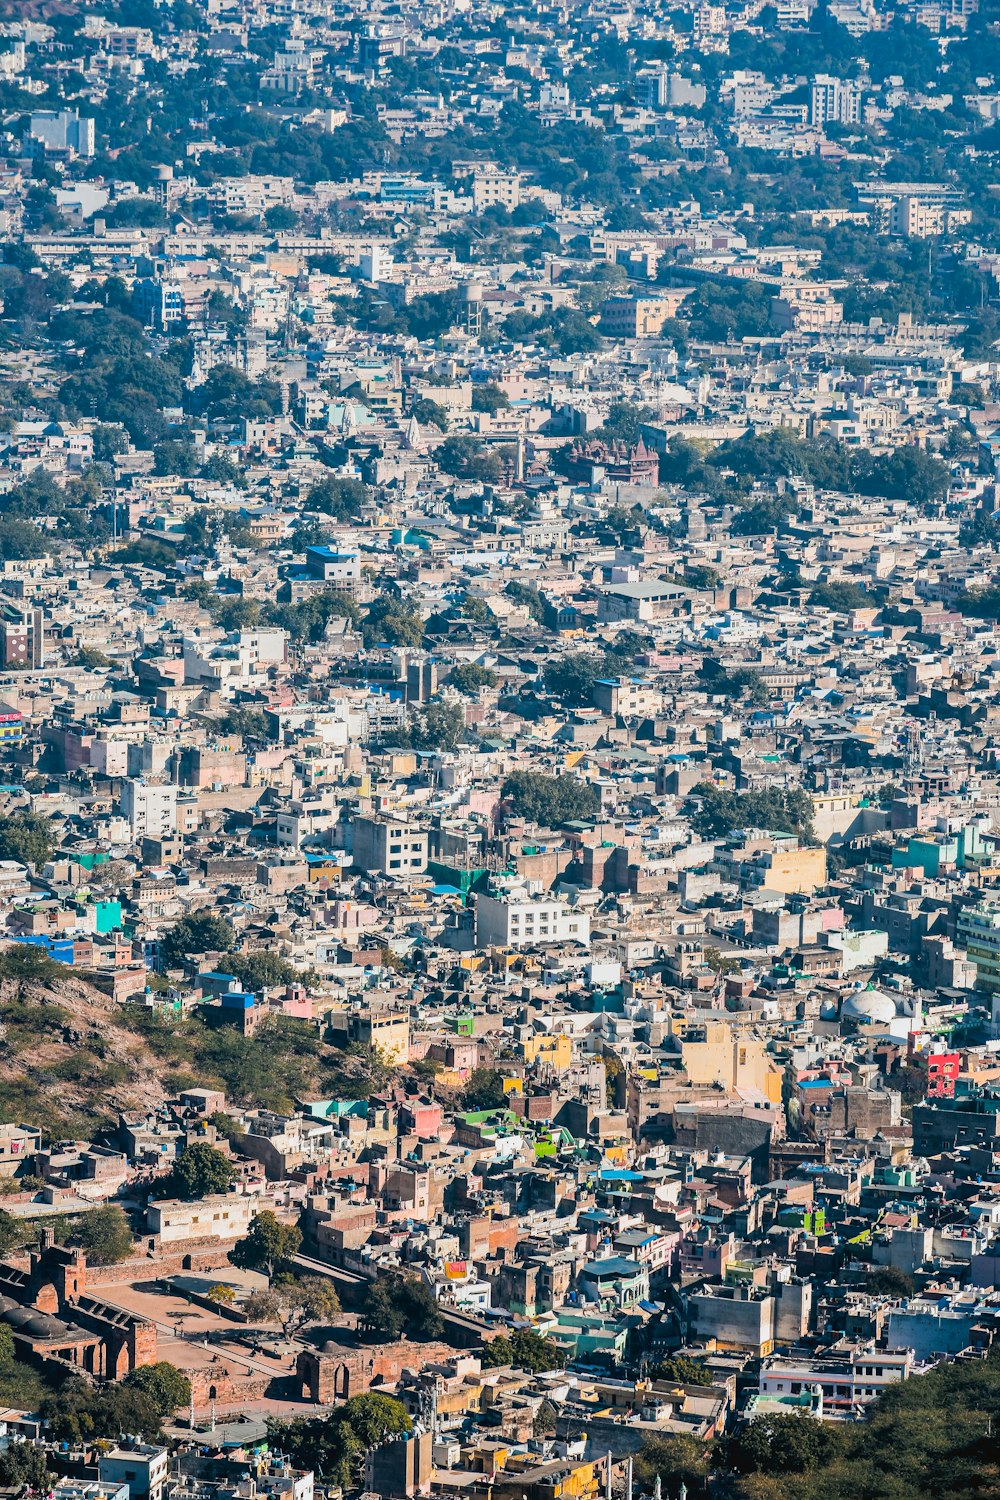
890 1281
78 1413
676 1458
335 1446
841 596
165 1385
20 540
439 726
432 413
489 398
27 838
467 458
469 677
24 1466
104 1236
550 800
787 1443
682 1369
200 1171
395 1304
201 932
174 456
11 1232
6 1346
484 1090
267 1244
393 621
260 969
525 1349
340 498
775 809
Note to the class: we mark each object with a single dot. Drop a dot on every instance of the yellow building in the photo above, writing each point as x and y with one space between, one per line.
717 1054
556 1049
792 870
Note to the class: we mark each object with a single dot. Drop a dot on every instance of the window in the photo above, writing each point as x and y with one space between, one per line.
394 864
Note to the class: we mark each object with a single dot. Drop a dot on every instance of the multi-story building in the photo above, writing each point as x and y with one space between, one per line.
837 99
518 919
150 809
386 847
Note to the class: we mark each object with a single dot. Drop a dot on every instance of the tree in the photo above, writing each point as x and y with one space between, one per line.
791 1443
469 677
335 1446
164 1384
260 969
428 412
200 1171
395 1305
104 1236
841 596
78 1412
484 1090
720 963
24 1466
676 1459
11 1232
263 1306
294 1302
6 1346
467 458
439 726
266 1245
489 398
392 621
340 498
20 540
684 1370
175 457
775 808
572 678
202 932
890 1281
27 838
550 800
525 1349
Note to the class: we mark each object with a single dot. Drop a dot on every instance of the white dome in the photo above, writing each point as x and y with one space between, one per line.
869 1008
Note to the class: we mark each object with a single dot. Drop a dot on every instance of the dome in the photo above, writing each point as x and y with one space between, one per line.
18 1316
869 1008
43 1327
7 1304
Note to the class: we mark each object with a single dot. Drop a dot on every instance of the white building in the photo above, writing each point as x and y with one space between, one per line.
518 919
151 810
834 99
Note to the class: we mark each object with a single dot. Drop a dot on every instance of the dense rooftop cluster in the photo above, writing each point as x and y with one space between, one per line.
499 803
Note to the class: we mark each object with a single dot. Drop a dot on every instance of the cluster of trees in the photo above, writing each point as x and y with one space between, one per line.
741 682
525 1349
715 811
395 1305
28 838
138 1404
731 469
469 677
335 1446
201 932
484 1090
549 800
437 726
